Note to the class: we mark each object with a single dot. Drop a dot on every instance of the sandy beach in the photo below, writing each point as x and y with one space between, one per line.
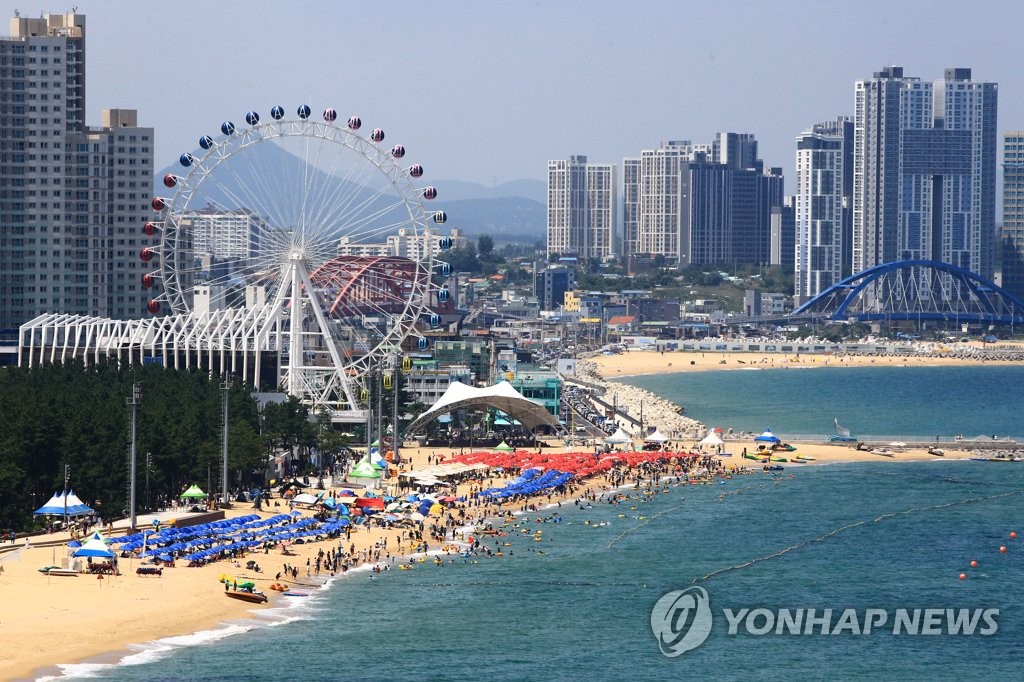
48 620
634 363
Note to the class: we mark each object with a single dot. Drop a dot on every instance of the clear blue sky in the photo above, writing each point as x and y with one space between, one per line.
488 91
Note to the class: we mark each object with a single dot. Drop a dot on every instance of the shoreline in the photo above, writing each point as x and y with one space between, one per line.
200 629
646 363
178 606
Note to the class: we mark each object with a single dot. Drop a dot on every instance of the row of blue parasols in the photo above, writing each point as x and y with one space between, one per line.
211 540
531 481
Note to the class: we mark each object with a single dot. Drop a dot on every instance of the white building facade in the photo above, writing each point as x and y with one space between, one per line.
818 205
582 200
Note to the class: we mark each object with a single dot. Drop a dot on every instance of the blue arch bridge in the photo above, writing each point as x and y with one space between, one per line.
915 290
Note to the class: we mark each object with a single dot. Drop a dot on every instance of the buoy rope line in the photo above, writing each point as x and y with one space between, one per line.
837 531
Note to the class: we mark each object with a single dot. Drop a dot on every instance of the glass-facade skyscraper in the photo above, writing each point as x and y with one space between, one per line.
1013 212
924 164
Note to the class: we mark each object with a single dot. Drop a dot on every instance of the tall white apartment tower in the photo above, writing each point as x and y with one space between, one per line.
662 200
924 170
73 199
582 200
819 211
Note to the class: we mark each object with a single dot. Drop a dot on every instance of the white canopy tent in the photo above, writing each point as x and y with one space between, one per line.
656 437
94 547
501 396
618 438
712 440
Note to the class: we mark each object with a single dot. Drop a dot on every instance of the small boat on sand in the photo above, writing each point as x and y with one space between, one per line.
251 597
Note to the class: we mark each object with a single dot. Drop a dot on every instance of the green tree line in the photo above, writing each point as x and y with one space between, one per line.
58 415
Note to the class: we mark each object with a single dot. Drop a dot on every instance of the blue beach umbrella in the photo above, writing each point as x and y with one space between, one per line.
767 437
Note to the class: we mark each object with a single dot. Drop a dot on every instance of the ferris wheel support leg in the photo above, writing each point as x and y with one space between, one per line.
340 377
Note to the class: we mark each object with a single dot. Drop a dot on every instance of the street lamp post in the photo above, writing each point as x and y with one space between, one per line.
133 404
394 416
225 388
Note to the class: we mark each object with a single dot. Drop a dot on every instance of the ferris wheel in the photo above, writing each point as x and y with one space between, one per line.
315 219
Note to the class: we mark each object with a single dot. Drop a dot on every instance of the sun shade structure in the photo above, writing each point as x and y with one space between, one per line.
618 438
94 547
501 396
61 505
712 439
656 437
193 493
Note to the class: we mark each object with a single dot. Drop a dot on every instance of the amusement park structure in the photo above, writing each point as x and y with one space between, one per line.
284 311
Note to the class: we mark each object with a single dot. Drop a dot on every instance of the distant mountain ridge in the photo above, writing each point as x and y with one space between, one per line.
512 211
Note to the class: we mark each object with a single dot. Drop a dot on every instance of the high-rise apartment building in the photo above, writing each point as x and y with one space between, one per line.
73 199
582 200
692 204
924 170
1013 213
824 157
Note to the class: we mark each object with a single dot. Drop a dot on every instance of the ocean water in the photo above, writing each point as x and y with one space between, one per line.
577 605
896 401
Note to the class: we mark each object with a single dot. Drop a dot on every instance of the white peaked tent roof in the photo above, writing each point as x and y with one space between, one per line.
94 547
712 439
501 396
619 436
60 505
55 505
657 437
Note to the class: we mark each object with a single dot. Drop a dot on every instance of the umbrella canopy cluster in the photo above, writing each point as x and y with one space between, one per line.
211 541
531 482
767 437
580 464
62 505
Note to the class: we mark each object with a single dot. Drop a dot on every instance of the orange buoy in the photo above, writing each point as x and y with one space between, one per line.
963 576
974 564
1003 549
1013 534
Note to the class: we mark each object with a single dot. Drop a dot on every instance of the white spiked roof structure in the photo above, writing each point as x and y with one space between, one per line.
501 396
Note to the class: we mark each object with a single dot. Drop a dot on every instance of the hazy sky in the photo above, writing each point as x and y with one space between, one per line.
490 91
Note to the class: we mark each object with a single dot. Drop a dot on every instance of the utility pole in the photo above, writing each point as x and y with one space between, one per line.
225 388
380 412
133 404
369 412
394 416
149 460
67 477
